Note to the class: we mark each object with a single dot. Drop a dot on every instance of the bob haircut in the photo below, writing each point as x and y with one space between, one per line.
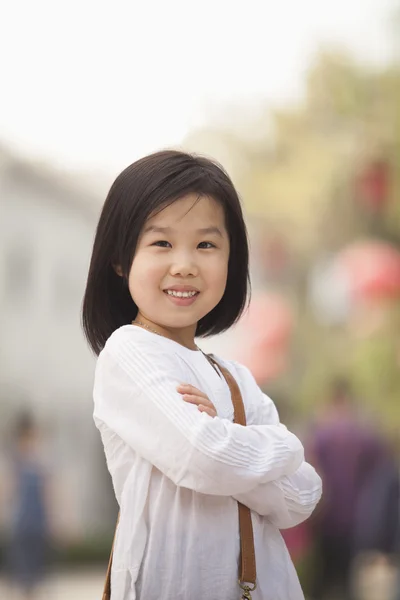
142 190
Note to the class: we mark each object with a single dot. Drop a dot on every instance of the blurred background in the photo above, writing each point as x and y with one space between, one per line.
301 104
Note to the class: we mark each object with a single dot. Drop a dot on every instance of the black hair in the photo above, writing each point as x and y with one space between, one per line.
341 390
24 425
141 190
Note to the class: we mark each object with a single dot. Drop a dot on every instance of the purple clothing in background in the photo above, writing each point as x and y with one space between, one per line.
345 454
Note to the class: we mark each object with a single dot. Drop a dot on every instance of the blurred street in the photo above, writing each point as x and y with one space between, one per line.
79 585
304 116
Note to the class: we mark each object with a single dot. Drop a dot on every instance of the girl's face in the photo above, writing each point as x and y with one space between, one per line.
180 268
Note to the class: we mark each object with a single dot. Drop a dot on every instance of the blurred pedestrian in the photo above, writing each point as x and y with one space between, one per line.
346 451
28 545
377 531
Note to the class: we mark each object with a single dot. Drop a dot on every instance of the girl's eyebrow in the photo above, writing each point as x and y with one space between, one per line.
209 230
203 231
153 229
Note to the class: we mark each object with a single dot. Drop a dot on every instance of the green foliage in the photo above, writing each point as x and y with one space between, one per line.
301 174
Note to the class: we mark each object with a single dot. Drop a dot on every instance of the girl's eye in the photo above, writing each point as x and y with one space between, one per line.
206 245
162 244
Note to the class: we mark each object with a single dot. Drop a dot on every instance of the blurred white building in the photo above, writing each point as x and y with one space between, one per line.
47 224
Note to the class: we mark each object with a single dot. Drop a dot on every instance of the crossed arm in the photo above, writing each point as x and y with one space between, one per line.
286 501
260 465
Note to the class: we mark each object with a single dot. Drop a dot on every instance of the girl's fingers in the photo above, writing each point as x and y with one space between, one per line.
197 399
207 409
190 389
205 403
194 396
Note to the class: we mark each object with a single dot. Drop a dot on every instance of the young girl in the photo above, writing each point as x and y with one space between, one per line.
169 263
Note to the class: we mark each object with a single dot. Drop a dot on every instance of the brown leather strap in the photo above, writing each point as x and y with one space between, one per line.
107 585
247 571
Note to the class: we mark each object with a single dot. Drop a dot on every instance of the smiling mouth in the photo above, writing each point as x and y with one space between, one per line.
178 294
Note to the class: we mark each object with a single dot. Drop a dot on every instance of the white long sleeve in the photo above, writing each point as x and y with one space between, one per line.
289 500
136 398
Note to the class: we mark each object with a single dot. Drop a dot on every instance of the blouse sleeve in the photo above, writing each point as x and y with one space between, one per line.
287 501
135 397
290 499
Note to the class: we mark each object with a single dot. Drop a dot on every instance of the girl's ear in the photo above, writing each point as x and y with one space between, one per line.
118 270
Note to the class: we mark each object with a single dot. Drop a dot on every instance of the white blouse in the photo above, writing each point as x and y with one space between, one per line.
178 474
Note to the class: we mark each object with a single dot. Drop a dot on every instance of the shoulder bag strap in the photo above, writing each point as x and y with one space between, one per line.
107 585
247 572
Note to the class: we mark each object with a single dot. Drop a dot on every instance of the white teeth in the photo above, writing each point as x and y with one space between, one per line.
181 294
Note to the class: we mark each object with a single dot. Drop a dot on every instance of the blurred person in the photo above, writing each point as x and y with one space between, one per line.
377 515
377 530
170 262
346 452
27 553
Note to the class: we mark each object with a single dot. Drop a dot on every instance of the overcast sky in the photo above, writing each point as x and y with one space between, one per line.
93 84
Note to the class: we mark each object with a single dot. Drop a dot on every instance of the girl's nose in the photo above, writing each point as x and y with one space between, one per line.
184 266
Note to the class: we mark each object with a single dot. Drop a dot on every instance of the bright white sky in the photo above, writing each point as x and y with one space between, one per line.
94 84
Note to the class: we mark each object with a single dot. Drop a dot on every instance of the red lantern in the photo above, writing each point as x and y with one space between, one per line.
372 268
372 186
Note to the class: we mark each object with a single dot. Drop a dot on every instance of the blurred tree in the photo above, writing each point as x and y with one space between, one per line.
329 170
309 167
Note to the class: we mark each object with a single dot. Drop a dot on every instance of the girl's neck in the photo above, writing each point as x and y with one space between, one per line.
183 336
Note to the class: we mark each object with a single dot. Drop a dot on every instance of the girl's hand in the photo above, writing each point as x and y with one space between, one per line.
195 396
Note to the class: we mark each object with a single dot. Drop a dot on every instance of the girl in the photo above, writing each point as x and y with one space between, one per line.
170 262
